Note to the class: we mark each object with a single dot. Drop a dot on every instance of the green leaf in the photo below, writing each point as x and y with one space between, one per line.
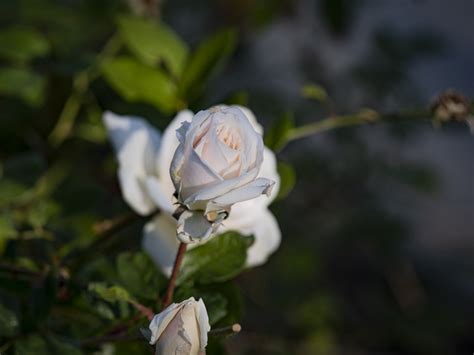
220 259
139 275
22 44
277 136
7 228
208 58
8 322
41 212
110 294
137 82
31 344
153 43
22 83
314 92
287 179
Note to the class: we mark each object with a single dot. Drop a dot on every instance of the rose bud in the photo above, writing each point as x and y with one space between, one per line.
215 166
181 328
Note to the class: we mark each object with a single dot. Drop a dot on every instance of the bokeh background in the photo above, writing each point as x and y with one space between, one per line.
378 231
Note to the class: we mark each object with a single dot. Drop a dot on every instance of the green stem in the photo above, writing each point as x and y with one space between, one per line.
81 84
363 117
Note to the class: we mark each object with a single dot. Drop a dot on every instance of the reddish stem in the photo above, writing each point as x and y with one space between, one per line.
177 264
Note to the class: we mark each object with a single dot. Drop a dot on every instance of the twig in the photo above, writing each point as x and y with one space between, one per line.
226 331
363 117
177 264
18 270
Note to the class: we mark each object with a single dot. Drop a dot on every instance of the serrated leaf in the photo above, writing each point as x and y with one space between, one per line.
8 322
220 259
277 136
287 179
139 275
137 82
208 58
22 44
24 84
153 43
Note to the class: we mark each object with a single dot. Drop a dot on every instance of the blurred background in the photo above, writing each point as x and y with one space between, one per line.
377 248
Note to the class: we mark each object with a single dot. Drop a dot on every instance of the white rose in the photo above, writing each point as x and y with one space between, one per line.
215 165
144 158
181 328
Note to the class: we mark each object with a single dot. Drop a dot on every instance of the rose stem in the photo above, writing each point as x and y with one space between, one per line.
177 264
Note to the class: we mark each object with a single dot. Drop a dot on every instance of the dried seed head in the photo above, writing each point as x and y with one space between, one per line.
450 105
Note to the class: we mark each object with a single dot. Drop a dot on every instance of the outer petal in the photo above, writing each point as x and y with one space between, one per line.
136 144
159 194
160 321
169 143
160 242
247 192
267 235
251 117
203 321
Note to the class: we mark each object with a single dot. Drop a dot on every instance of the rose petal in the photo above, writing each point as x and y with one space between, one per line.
203 321
247 192
159 195
160 321
169 143
160 242
136 144
216 189
251 117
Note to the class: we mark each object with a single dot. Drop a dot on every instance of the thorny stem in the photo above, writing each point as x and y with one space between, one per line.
171 284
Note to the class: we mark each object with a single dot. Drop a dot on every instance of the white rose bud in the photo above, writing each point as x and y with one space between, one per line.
181 329
215 166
